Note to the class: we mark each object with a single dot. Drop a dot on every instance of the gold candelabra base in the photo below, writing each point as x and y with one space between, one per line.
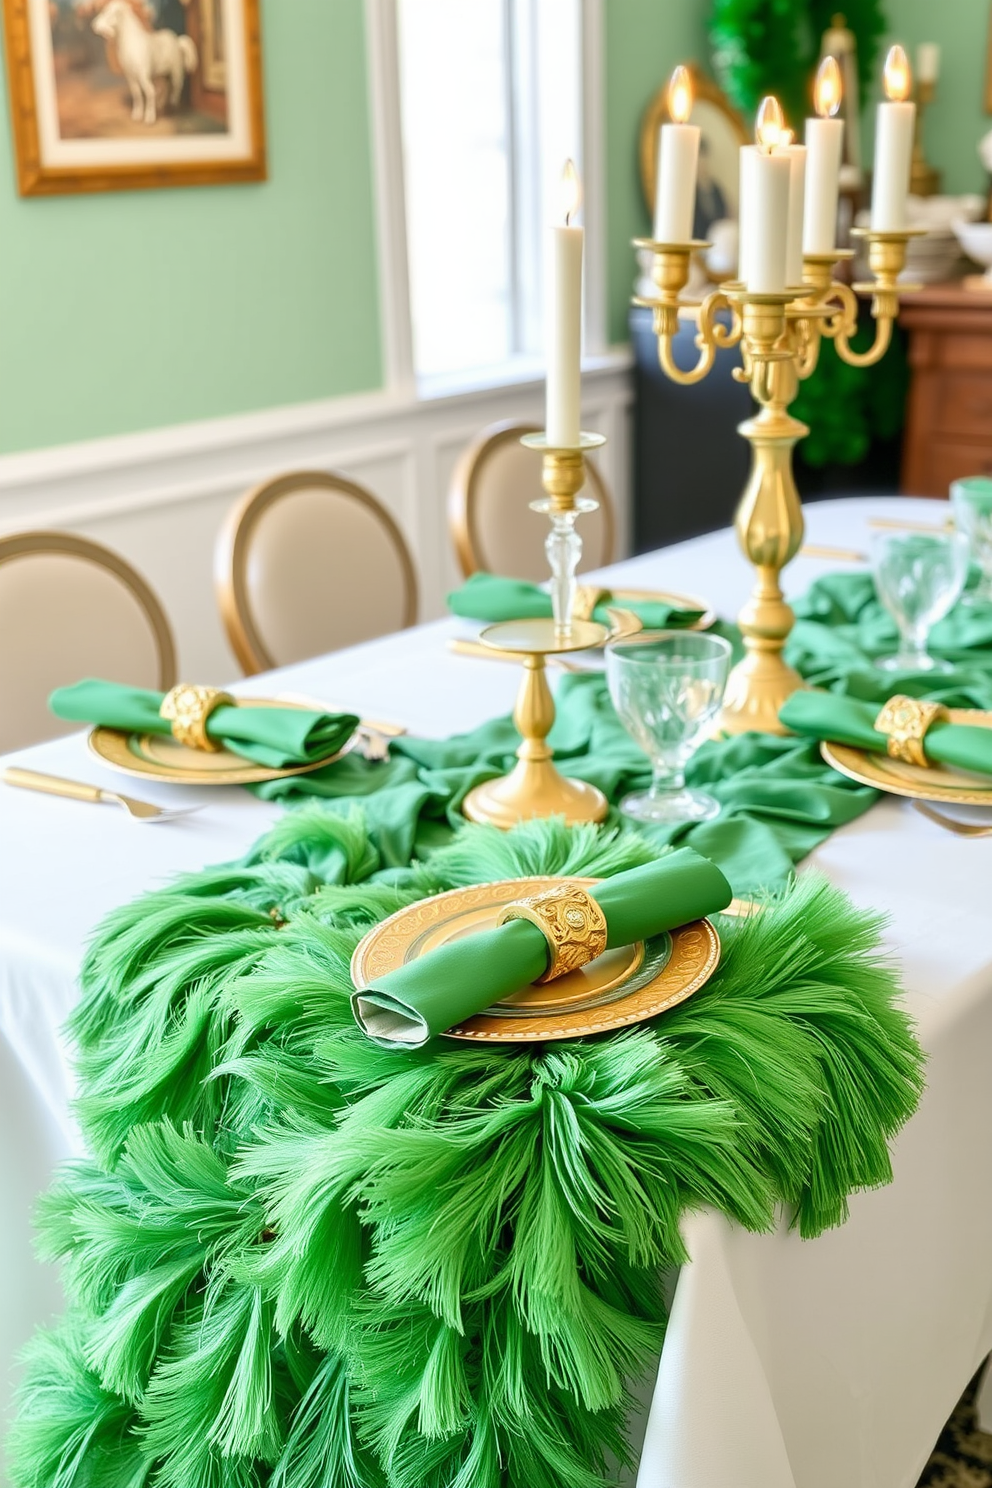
534 787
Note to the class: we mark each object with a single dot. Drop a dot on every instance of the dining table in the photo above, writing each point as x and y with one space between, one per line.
828 1363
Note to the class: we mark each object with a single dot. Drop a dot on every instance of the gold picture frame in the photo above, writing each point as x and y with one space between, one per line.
93 109
711 106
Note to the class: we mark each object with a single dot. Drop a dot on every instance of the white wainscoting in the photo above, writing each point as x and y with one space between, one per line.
159 498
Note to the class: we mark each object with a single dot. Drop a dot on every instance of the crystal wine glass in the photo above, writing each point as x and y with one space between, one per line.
667 688
971 502
918 576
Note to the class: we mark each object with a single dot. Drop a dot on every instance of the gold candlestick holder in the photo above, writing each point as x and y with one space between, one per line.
534 787
780 337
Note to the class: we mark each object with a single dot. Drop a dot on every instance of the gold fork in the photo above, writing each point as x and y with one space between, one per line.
950 824
77 790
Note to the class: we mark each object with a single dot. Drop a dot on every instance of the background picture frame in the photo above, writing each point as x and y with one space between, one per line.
114 95
723 131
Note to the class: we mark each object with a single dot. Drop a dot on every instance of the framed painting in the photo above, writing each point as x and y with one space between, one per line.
111 95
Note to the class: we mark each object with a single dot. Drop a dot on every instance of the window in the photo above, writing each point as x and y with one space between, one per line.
490 108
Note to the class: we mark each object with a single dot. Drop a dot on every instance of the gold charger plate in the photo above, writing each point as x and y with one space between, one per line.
159 757
624 986
919 782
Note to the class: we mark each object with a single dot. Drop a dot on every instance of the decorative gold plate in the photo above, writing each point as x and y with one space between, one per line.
624 986
159 757
920 783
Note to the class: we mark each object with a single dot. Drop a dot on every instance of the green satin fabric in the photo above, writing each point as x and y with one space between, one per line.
486 596
407 1007
841 628
276 737
844 720
779 799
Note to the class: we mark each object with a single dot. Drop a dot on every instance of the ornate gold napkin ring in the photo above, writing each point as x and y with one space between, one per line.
587 597
187 708
571 922
904 722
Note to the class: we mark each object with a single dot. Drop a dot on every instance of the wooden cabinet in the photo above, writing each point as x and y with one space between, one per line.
949 414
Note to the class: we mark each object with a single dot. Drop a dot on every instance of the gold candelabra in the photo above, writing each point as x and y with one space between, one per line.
780 337
534 787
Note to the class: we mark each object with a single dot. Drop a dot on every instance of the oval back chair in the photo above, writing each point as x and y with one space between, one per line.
71 608
488 508
307 563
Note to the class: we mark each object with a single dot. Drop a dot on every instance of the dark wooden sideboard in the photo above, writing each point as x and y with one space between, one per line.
949 412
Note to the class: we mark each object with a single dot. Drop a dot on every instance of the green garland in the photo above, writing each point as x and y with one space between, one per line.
300 1261
772 46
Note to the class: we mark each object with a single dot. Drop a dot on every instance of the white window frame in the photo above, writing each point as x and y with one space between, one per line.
396 332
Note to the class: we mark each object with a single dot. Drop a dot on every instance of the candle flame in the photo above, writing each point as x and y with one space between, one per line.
828 90
897 76
786 137
770 123
680 95
571 192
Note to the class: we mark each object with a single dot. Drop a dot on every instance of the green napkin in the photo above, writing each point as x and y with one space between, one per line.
278 738
487 596
407 1007
845 720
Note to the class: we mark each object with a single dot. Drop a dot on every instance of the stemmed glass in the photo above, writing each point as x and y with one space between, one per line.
971 502
918 577
667 688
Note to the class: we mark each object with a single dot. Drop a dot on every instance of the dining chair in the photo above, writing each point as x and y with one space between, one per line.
489 519
71 608
307 563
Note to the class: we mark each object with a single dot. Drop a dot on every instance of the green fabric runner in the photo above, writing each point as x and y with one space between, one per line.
779 799
404 1008
487 596
276 737
841 628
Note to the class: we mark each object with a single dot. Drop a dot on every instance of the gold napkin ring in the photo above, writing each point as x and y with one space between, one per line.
904 722
571 922
187 708
587 597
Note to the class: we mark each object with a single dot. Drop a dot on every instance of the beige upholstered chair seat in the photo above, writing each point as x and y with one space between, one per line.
70 609
310 563
489 513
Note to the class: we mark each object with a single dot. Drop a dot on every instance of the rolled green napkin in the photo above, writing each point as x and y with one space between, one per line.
407 1007
278 738
844 720
487 596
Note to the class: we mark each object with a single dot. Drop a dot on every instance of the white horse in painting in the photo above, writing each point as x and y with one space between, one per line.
145 56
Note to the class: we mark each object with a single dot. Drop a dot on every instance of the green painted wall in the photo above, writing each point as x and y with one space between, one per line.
644 41
957 118
132 310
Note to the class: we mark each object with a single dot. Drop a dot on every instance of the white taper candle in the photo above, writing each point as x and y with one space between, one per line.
824 147
564 381
678 160
894 125
794 228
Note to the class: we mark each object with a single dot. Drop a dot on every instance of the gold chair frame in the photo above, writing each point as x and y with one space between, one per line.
28 544
463 493
234 544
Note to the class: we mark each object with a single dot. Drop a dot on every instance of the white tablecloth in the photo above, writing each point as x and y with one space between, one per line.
788 1364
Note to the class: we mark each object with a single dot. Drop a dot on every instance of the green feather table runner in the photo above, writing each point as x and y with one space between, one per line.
297 1260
